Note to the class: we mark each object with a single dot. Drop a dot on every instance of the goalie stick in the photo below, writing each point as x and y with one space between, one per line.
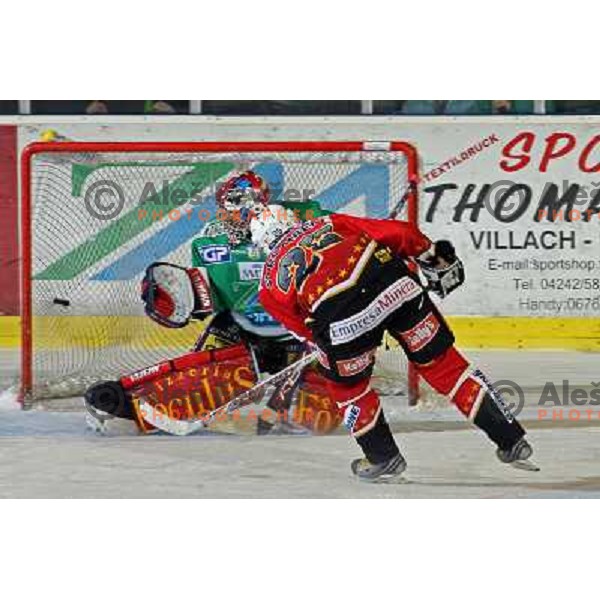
284 379
399 207
164 422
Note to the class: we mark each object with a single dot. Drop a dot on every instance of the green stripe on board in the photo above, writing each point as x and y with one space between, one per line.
80 172
129 225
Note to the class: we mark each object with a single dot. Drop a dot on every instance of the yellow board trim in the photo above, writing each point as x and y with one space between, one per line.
10 332
526 333
98 332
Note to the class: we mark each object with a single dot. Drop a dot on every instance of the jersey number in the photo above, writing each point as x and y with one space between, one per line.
304 259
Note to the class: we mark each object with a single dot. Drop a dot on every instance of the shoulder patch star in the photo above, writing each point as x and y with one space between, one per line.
292 268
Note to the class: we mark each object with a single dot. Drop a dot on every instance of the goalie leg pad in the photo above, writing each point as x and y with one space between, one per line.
214 376
316 410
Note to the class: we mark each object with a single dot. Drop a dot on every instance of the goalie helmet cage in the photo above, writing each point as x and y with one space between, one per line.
72 319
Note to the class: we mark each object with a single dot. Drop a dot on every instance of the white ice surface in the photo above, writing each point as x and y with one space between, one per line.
49 454
61 462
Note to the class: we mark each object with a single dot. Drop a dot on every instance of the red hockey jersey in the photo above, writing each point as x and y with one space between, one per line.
318 259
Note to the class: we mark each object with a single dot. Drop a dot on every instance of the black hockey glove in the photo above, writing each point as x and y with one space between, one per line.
441 267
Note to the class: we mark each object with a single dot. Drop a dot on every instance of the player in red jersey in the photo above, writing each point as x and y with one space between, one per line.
341 282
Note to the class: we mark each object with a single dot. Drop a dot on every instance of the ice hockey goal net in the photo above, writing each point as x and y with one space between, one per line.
94 215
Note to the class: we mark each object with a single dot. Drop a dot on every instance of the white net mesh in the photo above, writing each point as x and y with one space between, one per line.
98 219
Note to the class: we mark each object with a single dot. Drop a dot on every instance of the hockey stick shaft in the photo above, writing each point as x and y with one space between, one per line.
201 341
399 207
165 423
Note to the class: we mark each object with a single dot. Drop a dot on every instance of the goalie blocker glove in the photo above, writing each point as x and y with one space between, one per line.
441 267
172 295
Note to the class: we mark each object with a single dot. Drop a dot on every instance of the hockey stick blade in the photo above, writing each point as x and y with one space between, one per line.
165 423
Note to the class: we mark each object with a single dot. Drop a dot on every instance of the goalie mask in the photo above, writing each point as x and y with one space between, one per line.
238 199
269 226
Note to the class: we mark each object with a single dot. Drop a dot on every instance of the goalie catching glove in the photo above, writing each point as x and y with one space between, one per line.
173 295
441 267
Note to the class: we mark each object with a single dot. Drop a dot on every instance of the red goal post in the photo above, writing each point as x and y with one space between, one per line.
45 197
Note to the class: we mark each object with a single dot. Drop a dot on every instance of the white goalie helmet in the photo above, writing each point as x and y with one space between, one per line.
269 225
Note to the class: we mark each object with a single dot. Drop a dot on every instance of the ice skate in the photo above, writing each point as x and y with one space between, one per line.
518 456
389 471
280 427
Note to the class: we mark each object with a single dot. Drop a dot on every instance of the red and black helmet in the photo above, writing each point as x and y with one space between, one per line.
243 190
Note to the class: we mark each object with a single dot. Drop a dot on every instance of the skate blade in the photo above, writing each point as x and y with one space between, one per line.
525 465
393 478
288 432
396 480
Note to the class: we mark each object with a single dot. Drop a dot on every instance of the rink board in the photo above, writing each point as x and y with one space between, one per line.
581 334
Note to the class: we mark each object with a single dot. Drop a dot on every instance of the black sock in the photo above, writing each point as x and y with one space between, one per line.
378 443
498 423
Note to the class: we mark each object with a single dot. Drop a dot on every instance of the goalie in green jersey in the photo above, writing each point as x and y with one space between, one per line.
233 265
221 288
